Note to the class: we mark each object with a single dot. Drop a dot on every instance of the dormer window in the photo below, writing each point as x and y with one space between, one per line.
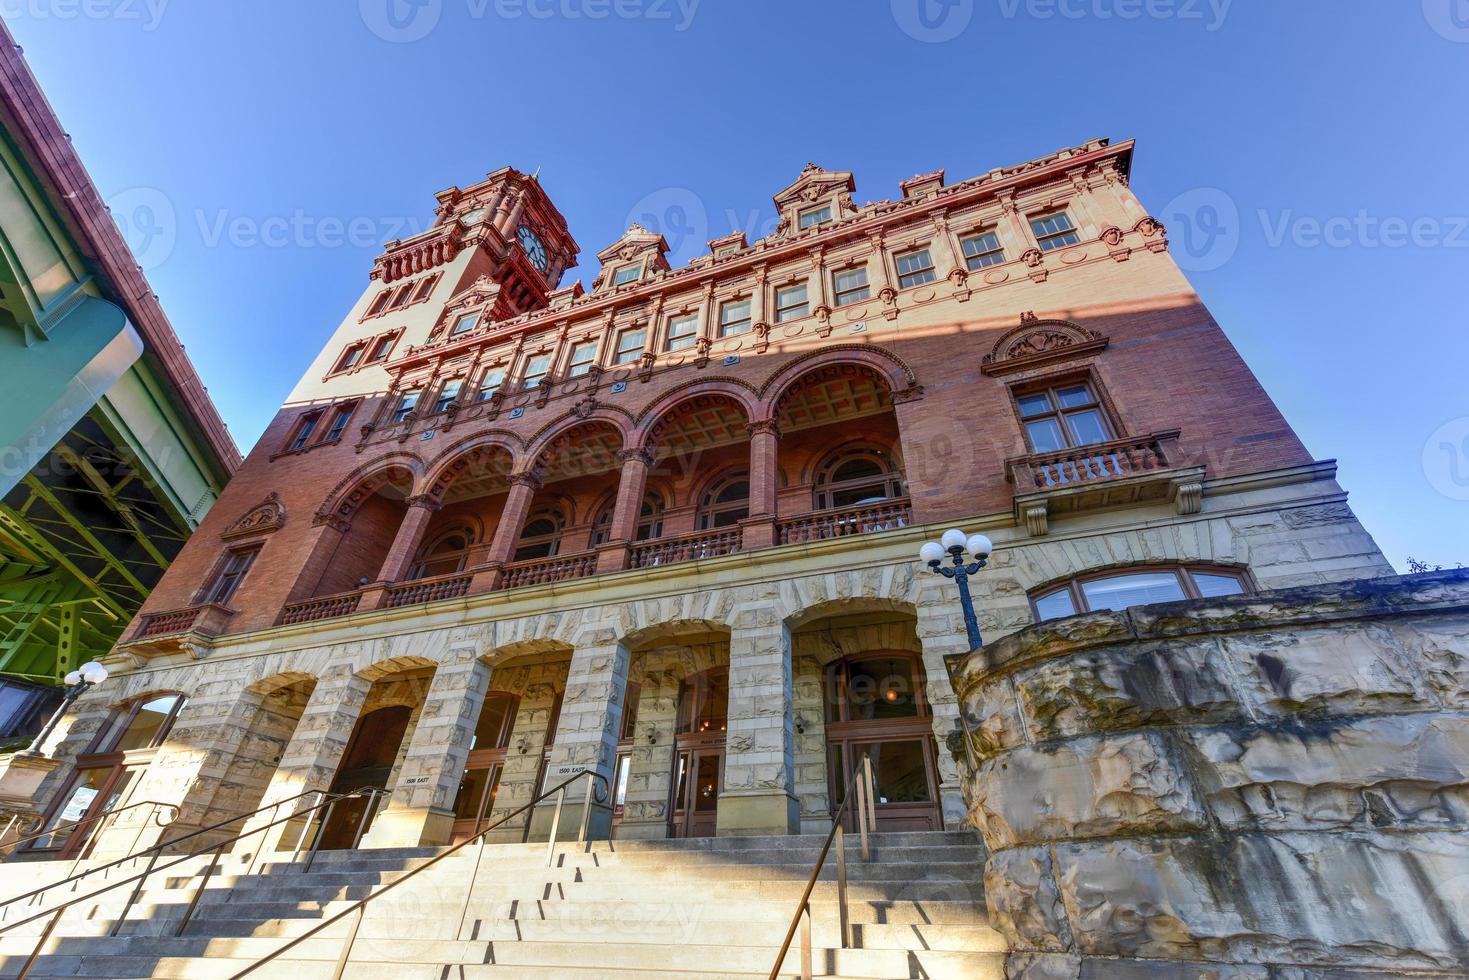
626 274
464 324
734 318
812 217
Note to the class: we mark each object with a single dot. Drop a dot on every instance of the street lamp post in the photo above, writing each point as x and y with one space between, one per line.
954 544
78 681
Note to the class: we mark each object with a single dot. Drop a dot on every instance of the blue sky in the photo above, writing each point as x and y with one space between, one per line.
1307 156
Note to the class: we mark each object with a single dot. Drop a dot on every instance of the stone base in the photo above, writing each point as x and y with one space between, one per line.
757 814
407 826
599 824
21 775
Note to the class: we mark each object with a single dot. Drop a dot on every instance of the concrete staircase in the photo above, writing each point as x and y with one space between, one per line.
710 909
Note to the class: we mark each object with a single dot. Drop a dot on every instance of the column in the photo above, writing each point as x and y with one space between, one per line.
941 249
410 535
759 527
310 761
760 756
523 487
941 633
613 556
421 811
586 735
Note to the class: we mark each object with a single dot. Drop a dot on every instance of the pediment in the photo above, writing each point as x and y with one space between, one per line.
1037 342
265 518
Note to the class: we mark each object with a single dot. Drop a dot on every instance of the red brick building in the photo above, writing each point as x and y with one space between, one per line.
666 527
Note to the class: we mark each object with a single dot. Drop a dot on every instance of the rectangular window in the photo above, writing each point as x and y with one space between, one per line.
406 404
536 368
402 296
381 349
1054 231
491 382
231 572
581 358
627 274
683 331
304 430
982 251
814 217
464 324
424 288
379 304
447 394
790 303
734 318
914 269
850 286
630 345
1062 417
350 357
339 423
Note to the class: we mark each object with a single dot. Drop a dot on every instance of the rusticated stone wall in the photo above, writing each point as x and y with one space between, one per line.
1266 786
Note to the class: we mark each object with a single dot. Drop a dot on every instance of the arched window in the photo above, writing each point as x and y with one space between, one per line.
1119 589
851 477
726 502
650 519
444 554
541 537
106 772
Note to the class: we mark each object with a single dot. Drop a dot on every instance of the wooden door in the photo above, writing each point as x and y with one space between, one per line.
698 781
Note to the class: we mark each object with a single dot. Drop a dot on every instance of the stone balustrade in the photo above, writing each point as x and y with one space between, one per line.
324 607
541 571
1274 785
450 586
886 515
686 547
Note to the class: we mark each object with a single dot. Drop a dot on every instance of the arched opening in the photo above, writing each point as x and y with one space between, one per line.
855 489
650 519
471 490
693 444
577 469
107 772
373 511
475 799
541 536
273 710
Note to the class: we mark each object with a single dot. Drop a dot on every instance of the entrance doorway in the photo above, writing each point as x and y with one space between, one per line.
876 707
485 764
368 762
698 775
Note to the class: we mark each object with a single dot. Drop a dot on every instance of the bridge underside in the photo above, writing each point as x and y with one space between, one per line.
84 537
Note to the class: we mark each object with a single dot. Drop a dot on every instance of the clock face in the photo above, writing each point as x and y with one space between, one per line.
534 249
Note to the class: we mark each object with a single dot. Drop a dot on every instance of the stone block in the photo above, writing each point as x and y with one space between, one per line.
1023 900
1340 899
1441 650
1344 669
1108 689
1089 787
992 718
1389 770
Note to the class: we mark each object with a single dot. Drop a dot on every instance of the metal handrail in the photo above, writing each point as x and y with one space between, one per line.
58 911
16 844
156 848
866 812
360 906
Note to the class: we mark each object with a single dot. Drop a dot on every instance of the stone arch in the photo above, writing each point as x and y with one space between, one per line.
886 588
267 686
387 667
672 630
892 371
853 605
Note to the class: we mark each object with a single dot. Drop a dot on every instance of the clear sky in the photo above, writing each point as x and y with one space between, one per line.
1308 157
